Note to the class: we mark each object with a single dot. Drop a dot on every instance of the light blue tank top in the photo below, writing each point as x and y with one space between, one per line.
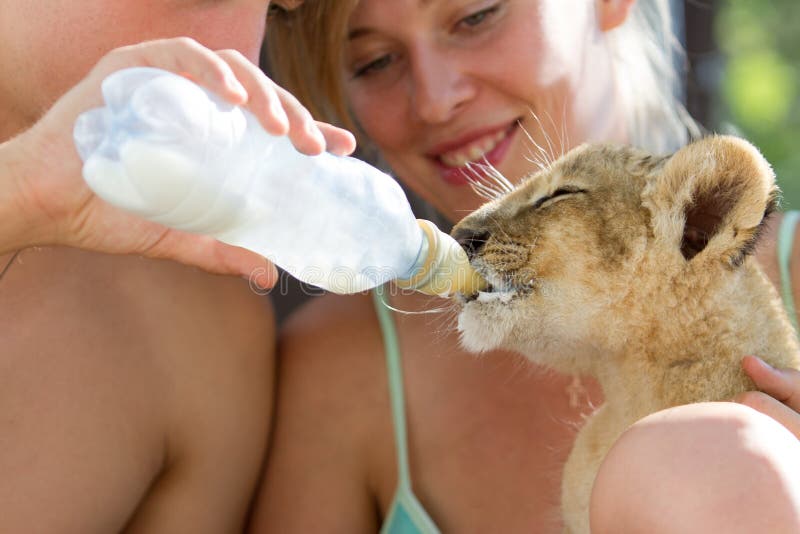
785 242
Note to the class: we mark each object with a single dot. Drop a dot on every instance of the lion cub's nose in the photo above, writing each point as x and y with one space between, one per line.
470 240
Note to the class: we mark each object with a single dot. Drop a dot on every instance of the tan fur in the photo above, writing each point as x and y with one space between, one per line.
614 281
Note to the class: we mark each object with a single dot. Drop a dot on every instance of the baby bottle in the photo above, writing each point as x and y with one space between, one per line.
172 152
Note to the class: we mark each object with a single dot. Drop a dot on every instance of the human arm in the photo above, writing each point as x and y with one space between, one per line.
45 201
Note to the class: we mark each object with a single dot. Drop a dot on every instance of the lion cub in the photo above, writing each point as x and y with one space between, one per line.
635 269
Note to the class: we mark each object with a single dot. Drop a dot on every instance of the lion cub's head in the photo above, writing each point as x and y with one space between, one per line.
612 246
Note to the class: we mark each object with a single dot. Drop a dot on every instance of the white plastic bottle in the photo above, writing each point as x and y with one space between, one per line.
174 153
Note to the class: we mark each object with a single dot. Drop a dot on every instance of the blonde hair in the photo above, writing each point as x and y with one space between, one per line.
646 54
305 49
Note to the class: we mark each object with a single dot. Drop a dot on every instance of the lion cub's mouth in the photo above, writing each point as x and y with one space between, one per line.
499 289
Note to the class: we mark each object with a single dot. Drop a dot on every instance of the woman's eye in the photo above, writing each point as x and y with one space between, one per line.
477 18
373 66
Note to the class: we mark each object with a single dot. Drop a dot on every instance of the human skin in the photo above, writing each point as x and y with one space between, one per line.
713 467
451 83
488 435
135 394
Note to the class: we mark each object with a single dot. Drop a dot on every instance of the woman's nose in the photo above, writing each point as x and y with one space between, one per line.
440 85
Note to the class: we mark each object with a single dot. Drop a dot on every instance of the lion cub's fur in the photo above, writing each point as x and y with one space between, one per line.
634 269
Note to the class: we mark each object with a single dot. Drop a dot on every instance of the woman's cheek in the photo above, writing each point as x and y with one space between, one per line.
379 112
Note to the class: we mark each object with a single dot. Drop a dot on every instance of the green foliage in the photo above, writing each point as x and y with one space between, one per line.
759 89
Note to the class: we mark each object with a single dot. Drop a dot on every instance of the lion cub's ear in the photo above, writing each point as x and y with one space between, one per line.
711 197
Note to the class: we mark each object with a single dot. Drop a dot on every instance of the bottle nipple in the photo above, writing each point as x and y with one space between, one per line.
444 268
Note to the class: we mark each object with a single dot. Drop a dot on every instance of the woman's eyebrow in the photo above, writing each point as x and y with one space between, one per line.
355 33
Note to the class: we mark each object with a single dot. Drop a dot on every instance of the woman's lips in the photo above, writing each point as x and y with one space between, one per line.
491 148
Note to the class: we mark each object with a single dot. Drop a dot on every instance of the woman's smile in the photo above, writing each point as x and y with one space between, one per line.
485 146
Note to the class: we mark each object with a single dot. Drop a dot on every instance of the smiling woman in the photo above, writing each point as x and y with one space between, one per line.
437 87
519 66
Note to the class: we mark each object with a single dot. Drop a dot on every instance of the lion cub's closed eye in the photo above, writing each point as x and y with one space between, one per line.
636 269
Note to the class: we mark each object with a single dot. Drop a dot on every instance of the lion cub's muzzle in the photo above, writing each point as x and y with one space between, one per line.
499 287
471 241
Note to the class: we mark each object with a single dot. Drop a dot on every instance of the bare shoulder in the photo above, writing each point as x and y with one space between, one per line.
330 350
330 421
140 379
133 293
80 304
332 319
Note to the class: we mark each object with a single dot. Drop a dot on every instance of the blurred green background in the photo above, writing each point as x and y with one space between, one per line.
759 46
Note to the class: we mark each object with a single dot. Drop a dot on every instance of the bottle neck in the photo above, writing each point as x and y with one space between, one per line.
442 267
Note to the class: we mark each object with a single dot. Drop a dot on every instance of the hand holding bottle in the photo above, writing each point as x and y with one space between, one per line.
175 153
44 200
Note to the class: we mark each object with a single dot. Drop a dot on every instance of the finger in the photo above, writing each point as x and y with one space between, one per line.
213 256
263 278
337 140
184 56
773 408
783 384
303 130
263 99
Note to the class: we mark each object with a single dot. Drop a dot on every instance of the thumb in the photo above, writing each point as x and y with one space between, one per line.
782 384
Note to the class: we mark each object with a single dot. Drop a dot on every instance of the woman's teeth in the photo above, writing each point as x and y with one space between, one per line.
474 151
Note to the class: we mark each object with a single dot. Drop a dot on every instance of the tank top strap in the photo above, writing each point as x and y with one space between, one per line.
406 514
785 245
394 370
